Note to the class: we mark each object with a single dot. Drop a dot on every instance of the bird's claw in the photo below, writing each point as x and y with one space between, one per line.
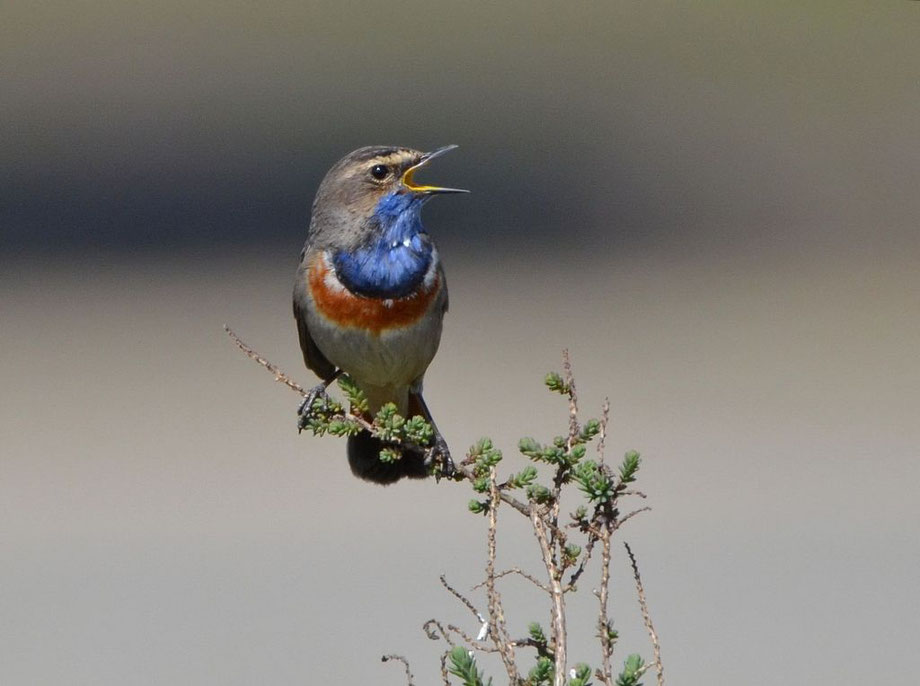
438 457
305 410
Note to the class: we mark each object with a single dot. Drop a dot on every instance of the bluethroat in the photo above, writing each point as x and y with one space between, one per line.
370 294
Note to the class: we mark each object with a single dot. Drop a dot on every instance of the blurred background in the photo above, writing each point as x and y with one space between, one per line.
713 205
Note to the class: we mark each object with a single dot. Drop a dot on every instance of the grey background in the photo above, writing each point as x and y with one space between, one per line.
713 205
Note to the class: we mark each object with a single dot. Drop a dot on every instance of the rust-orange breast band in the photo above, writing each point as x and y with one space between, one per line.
343 307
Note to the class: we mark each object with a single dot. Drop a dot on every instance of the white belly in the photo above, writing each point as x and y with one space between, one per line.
394 357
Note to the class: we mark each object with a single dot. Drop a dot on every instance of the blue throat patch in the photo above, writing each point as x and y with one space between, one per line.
395 262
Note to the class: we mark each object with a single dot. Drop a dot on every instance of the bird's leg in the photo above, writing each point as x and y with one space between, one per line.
439 452
318 391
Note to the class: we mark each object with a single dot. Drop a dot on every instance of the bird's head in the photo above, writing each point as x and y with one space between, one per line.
372 182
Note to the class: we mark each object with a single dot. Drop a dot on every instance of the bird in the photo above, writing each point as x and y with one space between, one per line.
370 295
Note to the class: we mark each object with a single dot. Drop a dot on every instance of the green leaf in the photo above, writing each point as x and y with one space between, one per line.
418 431
570 554
355 395
630 674
491 457
481 484
582 675
523 478
542 673
342 427
629 467
553 455
577 453
529 447
591 429
536 632
478 507
593 482
390 455
538 493
481 446
555 382
463 665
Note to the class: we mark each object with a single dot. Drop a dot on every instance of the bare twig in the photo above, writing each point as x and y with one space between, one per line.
603 620
645 614
602 436
557 539
622 520
498 632
573 397
558 596
589 548
439 631
459 596
434 630
517 570
405 662
542 649
444 675
280 376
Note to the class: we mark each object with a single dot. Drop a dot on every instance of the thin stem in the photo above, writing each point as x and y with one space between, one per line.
497 630
459 596
646 617
405 662
280 376
517 570
603 621
602 437
558 596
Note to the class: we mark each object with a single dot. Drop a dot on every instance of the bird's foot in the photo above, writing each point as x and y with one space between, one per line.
305 410
438 459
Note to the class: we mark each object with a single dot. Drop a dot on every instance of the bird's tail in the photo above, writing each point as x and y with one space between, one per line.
365 463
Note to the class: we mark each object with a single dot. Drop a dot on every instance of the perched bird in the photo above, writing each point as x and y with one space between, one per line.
370 294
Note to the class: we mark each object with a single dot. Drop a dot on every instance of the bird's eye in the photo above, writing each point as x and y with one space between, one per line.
380 171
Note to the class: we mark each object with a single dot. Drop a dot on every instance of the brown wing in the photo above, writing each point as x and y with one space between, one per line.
312 356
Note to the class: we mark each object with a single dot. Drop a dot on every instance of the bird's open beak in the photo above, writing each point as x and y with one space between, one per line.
426 158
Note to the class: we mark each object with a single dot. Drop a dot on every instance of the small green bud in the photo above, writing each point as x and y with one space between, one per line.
555 382
538 493
390 455
571 553
591 429
482 445
492 457
355 395
630 674
529 447
478 507
578 452
536 632
553 455
481 485
542 673
523 478
582 675
418 431
463 665
629 467
593 482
